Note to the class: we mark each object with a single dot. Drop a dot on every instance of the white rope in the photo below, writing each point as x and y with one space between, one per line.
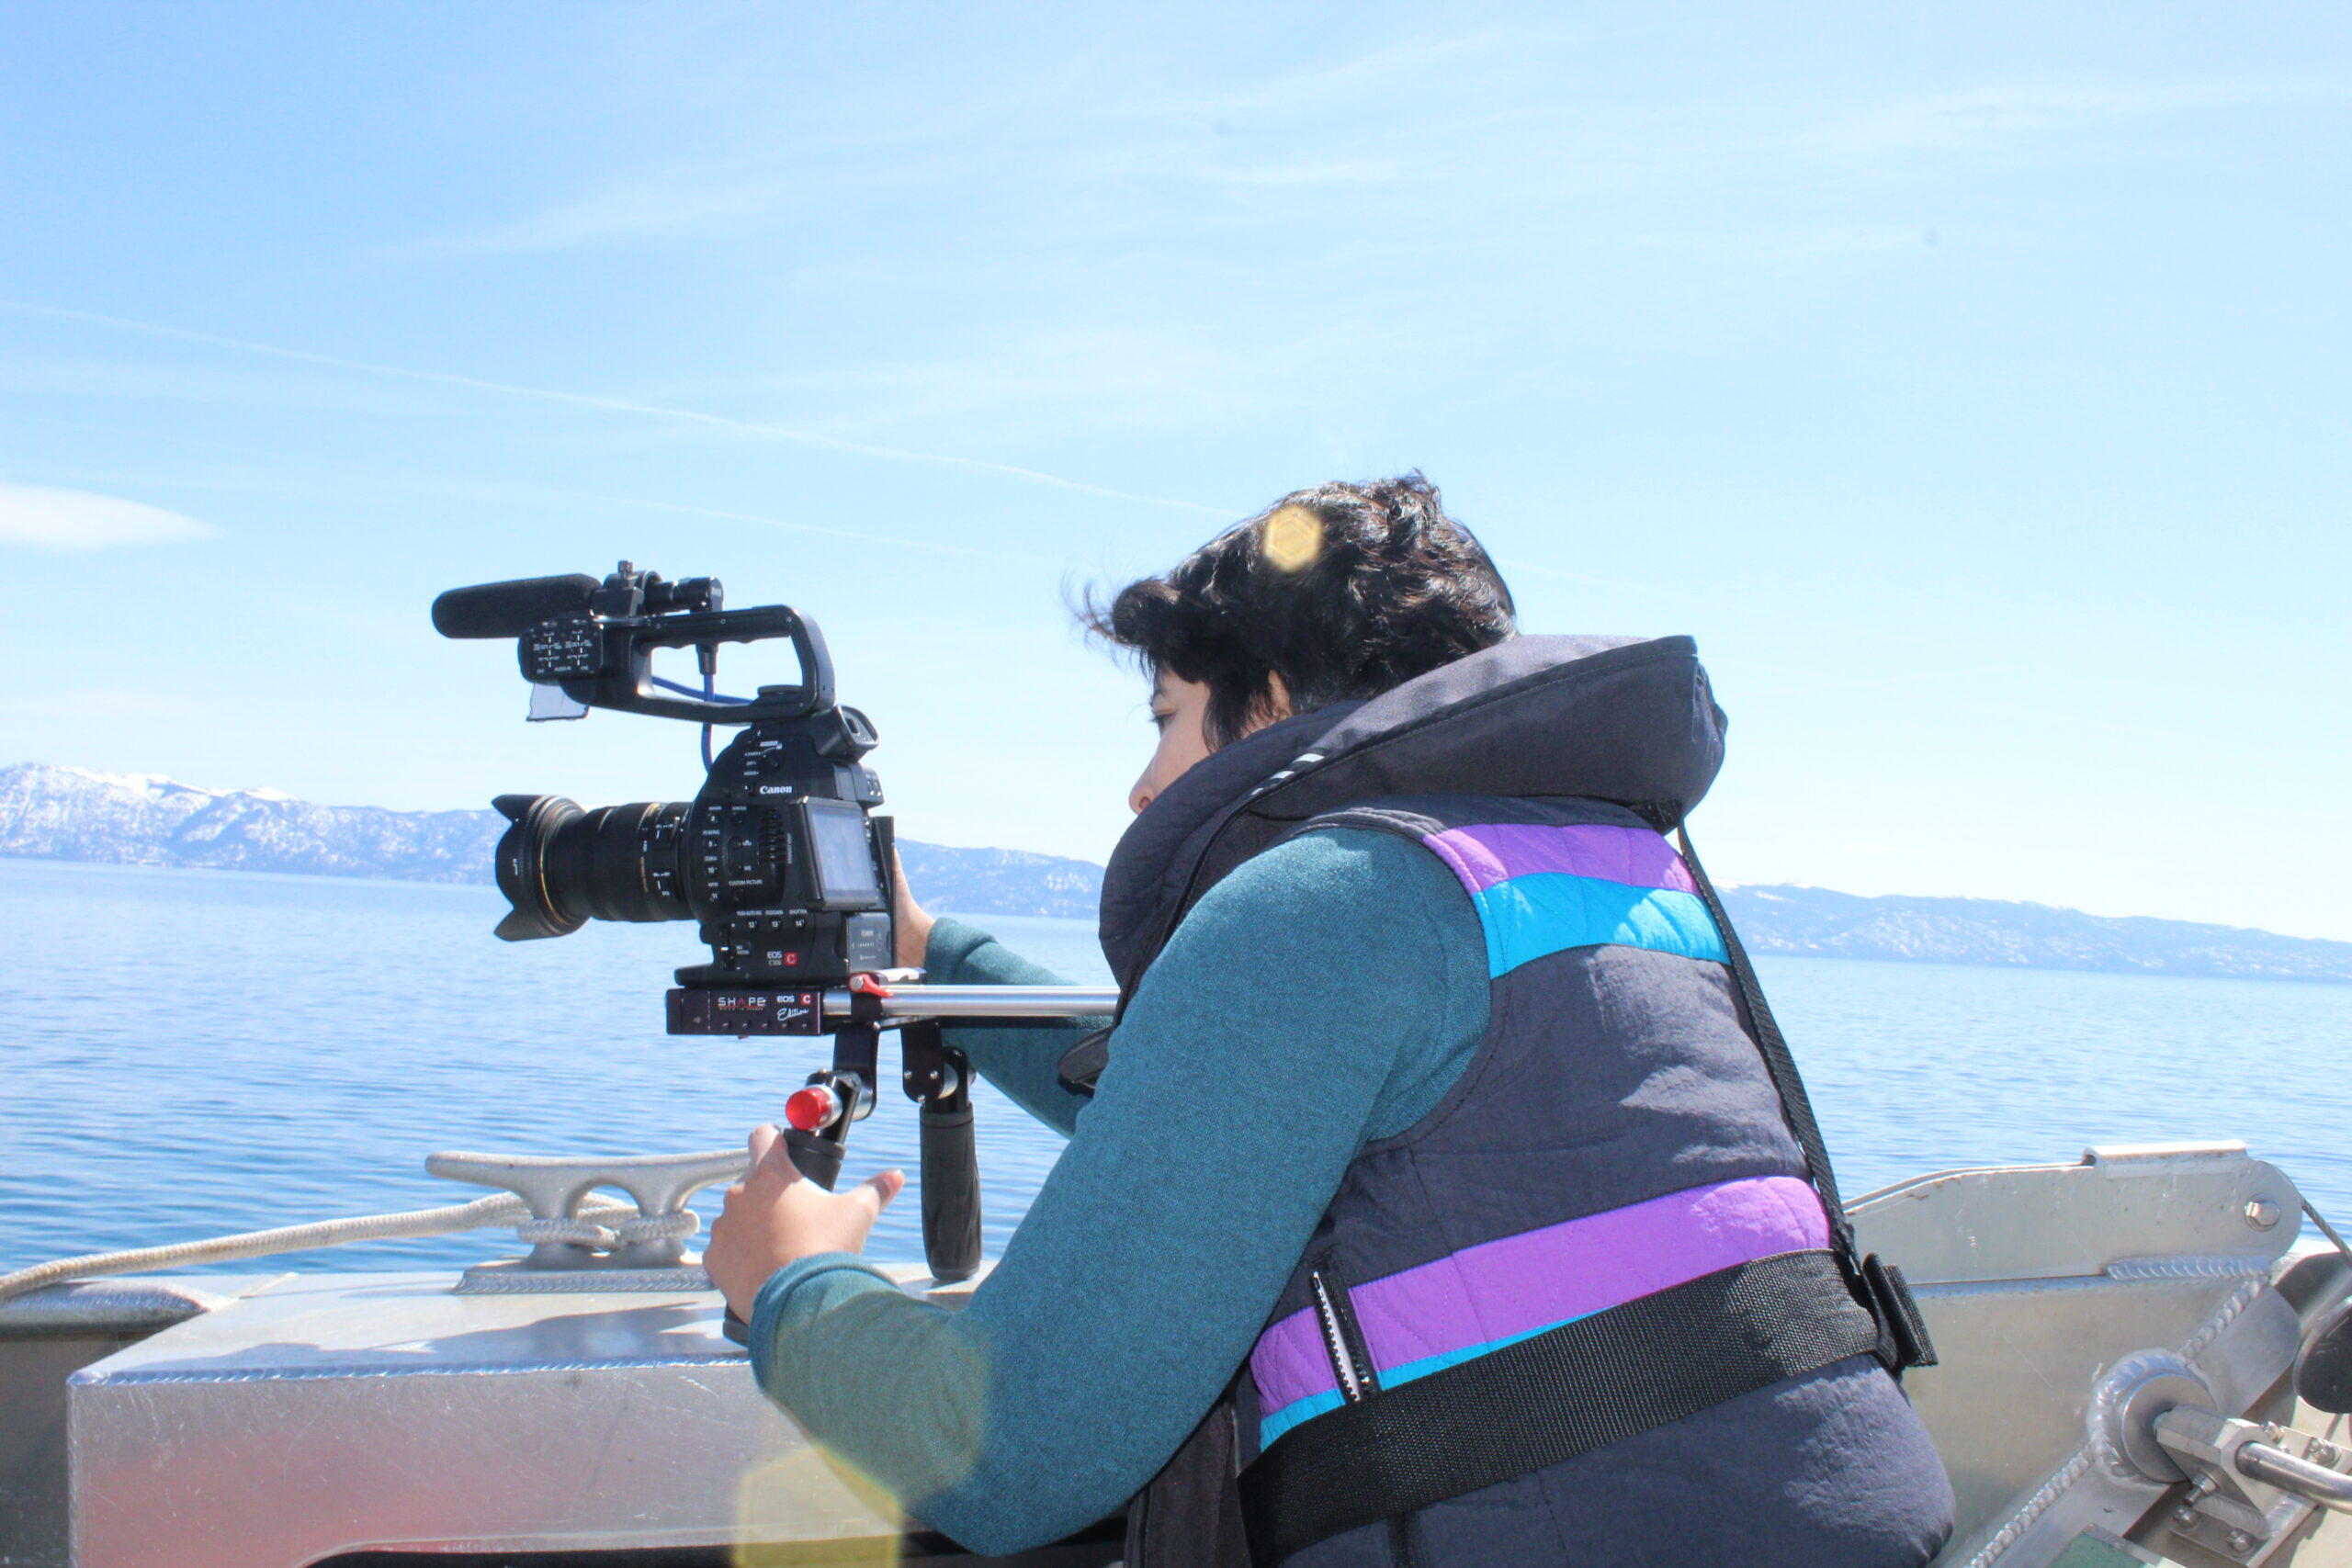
498 1209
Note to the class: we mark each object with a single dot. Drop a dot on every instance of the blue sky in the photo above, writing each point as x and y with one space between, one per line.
1970 382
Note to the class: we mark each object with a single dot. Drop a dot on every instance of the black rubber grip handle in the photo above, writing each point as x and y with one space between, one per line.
951 1193
818 1158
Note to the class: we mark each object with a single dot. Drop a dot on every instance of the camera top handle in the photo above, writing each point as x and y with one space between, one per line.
626 681
596 641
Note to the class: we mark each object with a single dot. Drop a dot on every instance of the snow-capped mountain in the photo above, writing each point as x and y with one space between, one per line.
56 812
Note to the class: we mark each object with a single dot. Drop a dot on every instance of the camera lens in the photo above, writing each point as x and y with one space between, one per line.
561 867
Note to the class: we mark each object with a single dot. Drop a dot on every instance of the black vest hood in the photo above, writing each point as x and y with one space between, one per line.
1621 719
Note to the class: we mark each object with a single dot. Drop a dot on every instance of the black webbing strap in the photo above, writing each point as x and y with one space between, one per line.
1877 1284
1566 1391
1795 1106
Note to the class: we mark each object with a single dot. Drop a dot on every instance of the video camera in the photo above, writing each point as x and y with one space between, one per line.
780 857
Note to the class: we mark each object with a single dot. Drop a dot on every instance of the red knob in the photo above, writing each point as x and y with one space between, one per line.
812 1108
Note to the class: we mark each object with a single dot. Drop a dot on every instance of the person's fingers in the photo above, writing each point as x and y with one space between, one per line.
878 1190
772 1168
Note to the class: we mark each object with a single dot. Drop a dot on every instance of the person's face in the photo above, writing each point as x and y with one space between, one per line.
1181 709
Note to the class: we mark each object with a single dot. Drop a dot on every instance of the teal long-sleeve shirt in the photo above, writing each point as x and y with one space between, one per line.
1326 994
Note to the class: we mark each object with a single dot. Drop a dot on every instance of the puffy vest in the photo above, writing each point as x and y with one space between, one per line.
1607 1249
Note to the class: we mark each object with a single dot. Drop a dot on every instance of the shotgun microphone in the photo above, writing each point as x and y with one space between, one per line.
510 609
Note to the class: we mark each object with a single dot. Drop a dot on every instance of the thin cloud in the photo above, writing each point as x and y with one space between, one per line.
665 203
1996 117
82 520
696 196
1552 162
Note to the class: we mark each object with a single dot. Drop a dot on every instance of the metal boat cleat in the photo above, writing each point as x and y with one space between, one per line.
570 1252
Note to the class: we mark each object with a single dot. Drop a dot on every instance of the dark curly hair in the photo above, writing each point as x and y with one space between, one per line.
1344 591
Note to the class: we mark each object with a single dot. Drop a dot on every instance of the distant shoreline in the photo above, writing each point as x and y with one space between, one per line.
73 814
201 873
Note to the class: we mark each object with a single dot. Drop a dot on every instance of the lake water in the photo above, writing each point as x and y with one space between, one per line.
184 1053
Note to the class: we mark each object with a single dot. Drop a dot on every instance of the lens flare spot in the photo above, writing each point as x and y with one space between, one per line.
798 1498
1294 539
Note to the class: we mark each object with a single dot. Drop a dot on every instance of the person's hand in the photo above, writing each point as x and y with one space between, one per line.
910 920
776 1214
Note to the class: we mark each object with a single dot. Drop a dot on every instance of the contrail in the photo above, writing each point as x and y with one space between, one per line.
689 510
752 428
1563 572
613 405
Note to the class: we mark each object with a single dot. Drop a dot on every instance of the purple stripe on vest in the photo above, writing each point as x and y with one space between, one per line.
1485 854
1537 1279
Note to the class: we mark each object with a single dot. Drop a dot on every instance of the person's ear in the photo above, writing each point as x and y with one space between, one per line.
1278 705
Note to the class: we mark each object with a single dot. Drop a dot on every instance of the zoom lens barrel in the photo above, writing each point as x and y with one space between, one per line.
561 867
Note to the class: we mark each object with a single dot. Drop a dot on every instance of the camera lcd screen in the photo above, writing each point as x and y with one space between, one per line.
836 847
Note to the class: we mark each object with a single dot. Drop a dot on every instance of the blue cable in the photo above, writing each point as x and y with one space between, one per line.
707 694
703 691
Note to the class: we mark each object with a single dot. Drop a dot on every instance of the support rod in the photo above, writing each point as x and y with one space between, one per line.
985 1002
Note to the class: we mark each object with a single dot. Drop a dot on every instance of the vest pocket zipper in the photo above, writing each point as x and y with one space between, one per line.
1342 1338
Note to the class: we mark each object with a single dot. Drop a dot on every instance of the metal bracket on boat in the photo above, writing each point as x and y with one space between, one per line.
643 1252
2252 1476
2243 1490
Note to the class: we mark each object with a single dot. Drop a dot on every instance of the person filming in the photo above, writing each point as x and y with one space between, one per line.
1431 1202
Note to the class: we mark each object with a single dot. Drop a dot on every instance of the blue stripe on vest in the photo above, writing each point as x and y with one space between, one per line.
1529 917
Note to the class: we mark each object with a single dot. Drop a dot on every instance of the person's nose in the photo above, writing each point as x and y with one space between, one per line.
1140 796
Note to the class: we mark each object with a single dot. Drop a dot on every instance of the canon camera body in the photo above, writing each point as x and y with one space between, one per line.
780 857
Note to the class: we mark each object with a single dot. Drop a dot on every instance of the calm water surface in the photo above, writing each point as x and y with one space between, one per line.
184 1054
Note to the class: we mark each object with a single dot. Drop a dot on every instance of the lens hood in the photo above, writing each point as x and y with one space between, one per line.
522 865
561 866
